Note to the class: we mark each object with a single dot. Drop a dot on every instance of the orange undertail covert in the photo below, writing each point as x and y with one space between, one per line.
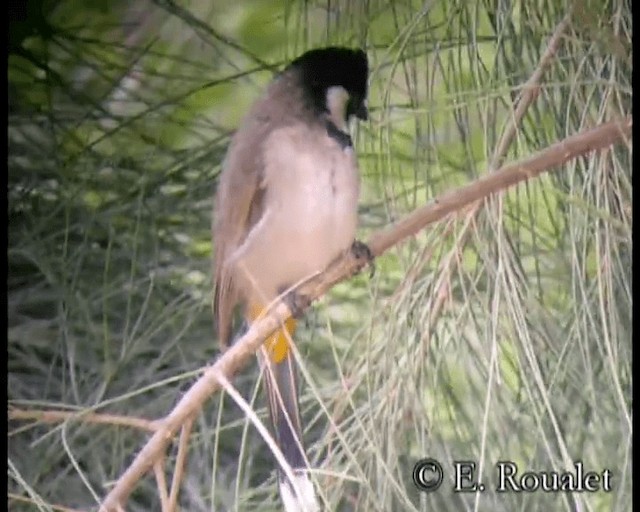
277 344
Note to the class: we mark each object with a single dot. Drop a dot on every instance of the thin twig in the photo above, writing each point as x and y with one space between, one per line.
161 483
183 450
529 93
56 416
25 499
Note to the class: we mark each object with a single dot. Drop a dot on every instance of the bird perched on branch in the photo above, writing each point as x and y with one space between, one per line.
286 207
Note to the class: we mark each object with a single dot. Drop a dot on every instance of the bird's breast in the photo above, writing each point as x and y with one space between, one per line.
310 211
314 192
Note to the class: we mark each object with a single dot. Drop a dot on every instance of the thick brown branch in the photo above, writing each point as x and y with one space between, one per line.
555 155
236 356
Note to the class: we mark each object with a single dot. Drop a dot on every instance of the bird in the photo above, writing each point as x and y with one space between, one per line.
286 206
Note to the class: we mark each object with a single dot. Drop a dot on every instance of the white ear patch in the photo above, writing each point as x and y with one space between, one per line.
337 100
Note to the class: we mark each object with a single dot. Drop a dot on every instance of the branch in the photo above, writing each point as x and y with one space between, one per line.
237 355
555 155
530 91
528 94
57 416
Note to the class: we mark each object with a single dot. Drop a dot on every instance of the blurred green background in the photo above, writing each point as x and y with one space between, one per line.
505 338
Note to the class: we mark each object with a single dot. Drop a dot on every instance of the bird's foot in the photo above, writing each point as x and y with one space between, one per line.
361 252
296 302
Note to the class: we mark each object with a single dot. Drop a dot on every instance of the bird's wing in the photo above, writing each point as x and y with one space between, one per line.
238 207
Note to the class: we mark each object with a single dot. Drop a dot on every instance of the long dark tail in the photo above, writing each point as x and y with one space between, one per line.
282 393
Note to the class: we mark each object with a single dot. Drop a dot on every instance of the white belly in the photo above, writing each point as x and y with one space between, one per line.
310 217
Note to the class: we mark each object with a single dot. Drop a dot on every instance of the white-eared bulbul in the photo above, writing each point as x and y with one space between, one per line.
286 207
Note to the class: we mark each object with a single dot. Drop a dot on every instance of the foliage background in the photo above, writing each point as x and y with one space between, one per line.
509 338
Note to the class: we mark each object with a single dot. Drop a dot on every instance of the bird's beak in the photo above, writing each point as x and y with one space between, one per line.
362 112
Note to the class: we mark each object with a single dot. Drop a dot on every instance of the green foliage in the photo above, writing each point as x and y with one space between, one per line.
506 339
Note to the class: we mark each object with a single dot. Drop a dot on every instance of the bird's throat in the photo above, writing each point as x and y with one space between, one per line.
341 137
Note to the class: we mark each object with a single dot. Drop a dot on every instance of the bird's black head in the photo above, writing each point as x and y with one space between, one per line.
324 68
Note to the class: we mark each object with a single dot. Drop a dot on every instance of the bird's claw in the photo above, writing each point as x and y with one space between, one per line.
361 252
296 302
